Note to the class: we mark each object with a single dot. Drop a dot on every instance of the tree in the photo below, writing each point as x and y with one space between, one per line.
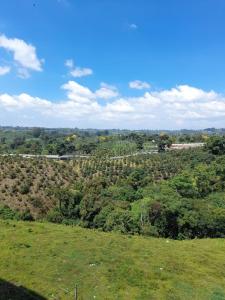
136 178
185 185
165 141
17 141
36 132
122 192
121 220
216 145
69 201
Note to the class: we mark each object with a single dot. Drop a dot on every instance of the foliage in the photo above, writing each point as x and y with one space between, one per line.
26 216
164 141
216 145
54 216
69 201
175 194
7 213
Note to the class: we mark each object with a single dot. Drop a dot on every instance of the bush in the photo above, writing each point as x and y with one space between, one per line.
26 216
54 216
216 145
6 213
36 202
24 189
122 221
149 230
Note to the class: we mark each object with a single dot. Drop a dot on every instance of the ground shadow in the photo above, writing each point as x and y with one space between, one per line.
9 291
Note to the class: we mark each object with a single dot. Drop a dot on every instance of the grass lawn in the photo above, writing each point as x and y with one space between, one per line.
51 259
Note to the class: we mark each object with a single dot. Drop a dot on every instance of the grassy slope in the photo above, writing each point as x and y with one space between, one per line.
50 259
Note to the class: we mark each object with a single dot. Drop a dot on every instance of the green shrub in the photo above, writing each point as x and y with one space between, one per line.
54 216
26 215
7 213
24 189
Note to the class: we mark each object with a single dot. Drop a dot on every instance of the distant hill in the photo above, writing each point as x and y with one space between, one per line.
114 131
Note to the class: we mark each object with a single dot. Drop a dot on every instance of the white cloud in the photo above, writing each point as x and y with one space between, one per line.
107 91
4 70
24 54
69 63
78 93
182 106
81 72
120 106
77 72
133 26
185 93
139 85
23 101
189 103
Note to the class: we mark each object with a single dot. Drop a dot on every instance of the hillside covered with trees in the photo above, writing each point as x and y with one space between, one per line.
173 194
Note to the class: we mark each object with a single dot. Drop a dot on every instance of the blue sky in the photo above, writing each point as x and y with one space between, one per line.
112 63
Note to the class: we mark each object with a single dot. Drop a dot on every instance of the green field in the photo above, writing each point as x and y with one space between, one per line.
51 259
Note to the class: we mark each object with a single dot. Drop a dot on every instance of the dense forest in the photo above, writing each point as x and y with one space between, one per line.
121 185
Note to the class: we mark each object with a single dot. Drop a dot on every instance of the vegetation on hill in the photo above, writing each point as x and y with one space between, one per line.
97 142
51 259
175 194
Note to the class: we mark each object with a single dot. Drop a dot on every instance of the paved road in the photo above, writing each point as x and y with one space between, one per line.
63 157
134 154
67 157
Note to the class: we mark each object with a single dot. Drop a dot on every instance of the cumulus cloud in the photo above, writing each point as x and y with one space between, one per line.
186 103
24 54
185 93
77 72
4 70
183 105
139 85
23 101
107 91
78 93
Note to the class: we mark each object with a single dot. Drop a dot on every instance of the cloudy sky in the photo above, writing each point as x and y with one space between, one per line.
112 63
